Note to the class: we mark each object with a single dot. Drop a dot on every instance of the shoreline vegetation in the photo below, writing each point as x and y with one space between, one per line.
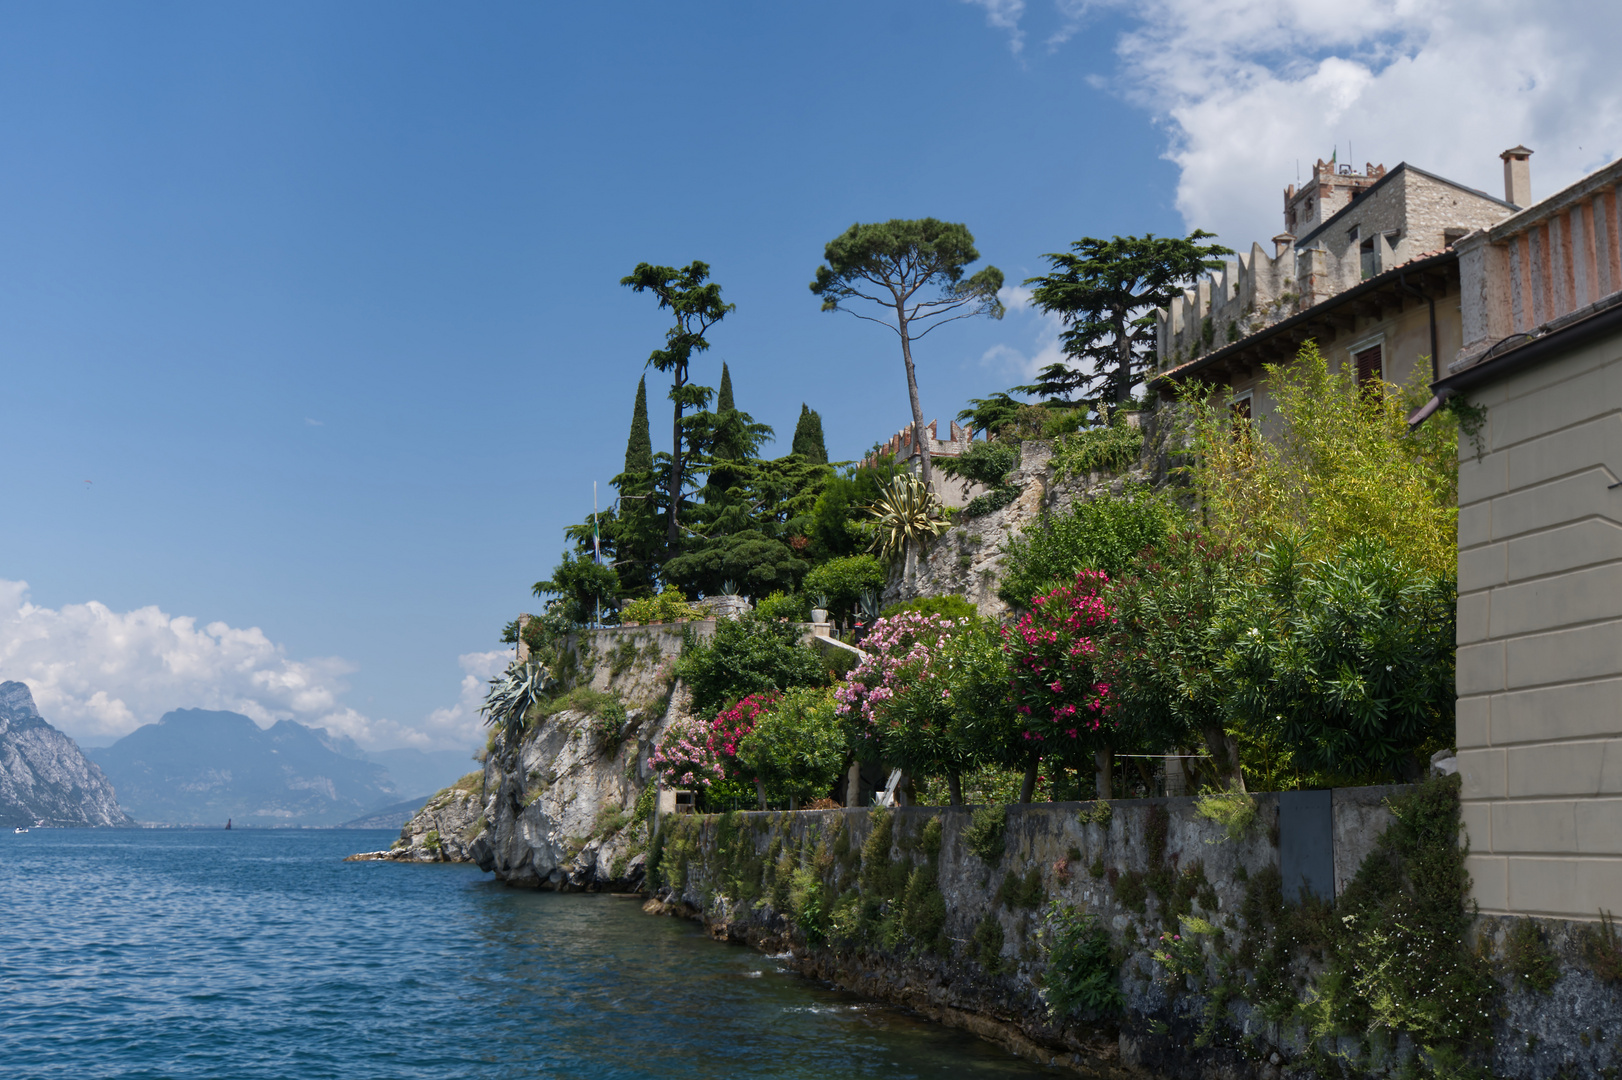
1054 811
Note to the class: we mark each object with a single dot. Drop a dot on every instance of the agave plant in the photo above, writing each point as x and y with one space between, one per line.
513 692
906 511
870 606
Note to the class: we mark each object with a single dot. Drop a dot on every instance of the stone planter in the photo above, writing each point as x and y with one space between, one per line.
818 615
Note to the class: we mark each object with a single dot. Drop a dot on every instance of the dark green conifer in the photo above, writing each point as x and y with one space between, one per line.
639 447
723 400
808 437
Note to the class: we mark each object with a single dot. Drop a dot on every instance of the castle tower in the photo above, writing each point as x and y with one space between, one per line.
1332 187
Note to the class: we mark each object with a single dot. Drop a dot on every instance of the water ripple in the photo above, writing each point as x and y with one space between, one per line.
256 954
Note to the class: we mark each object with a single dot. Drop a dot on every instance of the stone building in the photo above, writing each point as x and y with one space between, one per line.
1540 553
949 489
1366 268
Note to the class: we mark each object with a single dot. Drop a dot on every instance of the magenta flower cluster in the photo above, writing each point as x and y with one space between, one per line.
1052 651
695 753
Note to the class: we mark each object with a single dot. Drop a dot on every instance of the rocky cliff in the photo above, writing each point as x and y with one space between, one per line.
442 830
967 559
44 777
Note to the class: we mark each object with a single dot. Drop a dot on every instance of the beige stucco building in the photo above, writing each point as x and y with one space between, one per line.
1540 554
1365 268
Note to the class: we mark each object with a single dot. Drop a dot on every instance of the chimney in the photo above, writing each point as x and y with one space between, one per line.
1282 243
1517 176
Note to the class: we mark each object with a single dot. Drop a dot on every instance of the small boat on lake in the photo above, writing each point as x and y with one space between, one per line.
19 829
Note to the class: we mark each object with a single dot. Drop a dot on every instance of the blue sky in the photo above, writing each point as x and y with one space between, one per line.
309 317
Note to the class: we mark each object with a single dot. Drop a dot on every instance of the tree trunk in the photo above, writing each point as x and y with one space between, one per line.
1123 365
1103 762
760 792
954 788
1028 788
920 444
853 783
672 531
1224 750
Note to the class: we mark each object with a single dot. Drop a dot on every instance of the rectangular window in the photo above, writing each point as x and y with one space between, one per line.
1368 365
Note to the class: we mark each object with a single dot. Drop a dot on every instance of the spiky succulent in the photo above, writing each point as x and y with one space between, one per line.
906 511
513 692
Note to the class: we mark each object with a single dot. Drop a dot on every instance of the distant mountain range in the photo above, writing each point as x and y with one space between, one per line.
200 767
44 776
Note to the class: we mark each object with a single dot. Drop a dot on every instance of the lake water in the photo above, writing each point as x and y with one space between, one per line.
249 954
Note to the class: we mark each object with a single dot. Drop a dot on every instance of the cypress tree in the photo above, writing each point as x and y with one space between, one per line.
723 400
808 437
639 447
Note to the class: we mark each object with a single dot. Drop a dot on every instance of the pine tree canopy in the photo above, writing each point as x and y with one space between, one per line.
808 437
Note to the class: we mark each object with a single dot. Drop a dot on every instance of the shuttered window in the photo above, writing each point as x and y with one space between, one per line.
1368 367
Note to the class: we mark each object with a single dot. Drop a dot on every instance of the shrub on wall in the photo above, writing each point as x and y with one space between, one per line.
747 655
844 580
797 746
1103 534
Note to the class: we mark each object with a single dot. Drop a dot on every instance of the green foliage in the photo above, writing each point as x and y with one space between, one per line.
950 606
1399 962
913 271
669 606
987 943
991 415
1163 661
843 580
1082 972
639 444
1022 892
923 908
798 746
1113 447
1339 464
756 562
645 802
984 836
1234 811
696 303
1104 534
1345 663
1106 291
583 586
1530 961
1099 813
808 442
906 514
986 463
1132 891
431 843
781 605
607 727
990 502
1602 949
748 655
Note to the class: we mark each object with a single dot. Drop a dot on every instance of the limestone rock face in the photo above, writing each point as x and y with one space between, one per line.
44 777
967 559
560 802
442 830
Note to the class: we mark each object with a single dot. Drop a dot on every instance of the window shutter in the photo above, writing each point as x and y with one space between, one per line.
1368 365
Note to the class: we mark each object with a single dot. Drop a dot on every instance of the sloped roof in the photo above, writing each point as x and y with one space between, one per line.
1401 166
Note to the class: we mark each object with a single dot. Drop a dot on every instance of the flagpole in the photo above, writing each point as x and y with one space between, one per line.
596 546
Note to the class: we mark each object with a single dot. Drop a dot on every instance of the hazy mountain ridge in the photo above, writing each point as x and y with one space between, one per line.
44 776
202 767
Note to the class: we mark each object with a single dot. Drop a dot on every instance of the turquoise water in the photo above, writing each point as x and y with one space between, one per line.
249 954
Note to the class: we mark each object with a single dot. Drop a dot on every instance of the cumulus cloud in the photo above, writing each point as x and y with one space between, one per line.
1245 90
97 674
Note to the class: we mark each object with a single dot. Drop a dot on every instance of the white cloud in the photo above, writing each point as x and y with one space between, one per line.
1246 90
1005 15
97 673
